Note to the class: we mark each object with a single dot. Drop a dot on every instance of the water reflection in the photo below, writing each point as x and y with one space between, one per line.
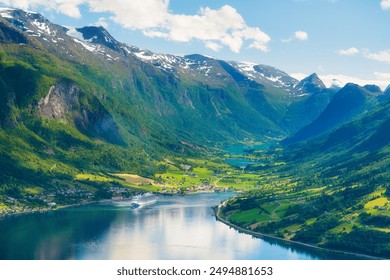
180 227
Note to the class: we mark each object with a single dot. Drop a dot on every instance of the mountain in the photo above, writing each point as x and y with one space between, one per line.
311 84
374 89
366 133
98 35
127 96
348 103
268 95
266 75
176 90
387 91
76 103
332 191
76 100
385 96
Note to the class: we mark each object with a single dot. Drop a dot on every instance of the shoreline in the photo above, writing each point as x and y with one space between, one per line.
48 209
58 207
217 214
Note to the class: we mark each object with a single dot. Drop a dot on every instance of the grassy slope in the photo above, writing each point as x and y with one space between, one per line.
155 118
307 199
333 192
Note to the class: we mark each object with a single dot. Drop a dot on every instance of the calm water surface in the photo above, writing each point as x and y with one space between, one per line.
240 162
173 227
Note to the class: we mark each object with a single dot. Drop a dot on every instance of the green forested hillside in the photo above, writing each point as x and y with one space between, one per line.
337 192
83 120
67 111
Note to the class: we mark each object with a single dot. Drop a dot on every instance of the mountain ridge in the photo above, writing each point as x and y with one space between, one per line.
76 100
349 102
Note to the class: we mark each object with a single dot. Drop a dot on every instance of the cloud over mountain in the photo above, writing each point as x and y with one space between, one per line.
214 27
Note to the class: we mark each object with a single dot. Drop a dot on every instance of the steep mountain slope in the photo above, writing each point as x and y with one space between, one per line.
387 91
163 91
348 103
167 98
266 75
311 84
332 192
77 100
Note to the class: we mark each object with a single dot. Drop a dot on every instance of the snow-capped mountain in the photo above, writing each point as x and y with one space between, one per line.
33 24
98 41
311 84
266 75
268 91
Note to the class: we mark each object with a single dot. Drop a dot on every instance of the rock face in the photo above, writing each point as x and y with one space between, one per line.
62 103
348 103
311 84
61 99
10 35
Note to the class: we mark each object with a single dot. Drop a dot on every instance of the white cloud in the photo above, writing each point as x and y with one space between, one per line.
382 56
298 35
213 46
385 4
299 76
66 7
301 35
383 76
350 51
134 14
216 28
101 22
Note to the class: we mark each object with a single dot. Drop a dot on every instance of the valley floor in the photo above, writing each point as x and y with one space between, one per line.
300 206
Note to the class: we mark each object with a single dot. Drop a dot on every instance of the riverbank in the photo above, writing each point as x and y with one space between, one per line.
48 209
217 212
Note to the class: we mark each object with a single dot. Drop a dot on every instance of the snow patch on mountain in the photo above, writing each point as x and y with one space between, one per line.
89 47
72 32
43 27
5 13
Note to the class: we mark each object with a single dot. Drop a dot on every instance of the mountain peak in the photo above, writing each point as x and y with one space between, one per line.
31 24
387 90
99 35
313 76
374 89
352 86
311 84
199 57
366 92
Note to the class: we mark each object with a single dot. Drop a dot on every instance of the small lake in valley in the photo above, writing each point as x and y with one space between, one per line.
238 154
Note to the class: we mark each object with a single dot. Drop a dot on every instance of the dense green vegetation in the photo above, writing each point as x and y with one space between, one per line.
333 194
76 127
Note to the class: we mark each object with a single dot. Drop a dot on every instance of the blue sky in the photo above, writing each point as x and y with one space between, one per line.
344 39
